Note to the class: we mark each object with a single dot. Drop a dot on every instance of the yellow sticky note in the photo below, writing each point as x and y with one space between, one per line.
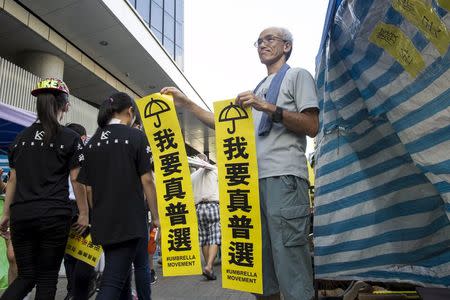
239 198
398 45
444 4
176 207
423 16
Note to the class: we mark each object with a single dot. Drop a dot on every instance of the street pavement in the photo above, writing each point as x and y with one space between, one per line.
181 288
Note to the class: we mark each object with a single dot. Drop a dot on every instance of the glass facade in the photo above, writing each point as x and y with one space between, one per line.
166 20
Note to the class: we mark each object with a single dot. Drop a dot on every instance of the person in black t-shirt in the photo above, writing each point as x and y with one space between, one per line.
81 276
117 171
36 206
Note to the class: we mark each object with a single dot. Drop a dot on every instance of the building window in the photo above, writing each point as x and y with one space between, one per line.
179 10
169 27
179 57
157 16
169 7
179 34
158 34
143 8
170 47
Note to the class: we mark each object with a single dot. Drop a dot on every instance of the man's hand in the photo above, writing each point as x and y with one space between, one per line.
156 223
81 224
179 98
249 99
4 224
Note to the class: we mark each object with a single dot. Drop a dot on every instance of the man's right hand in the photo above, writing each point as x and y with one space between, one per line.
179 98
4 225
82 224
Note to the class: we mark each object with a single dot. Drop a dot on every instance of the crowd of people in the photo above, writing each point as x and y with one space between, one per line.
111 188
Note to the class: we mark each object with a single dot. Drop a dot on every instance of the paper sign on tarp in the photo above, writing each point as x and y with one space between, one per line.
239 198
83 249
178 218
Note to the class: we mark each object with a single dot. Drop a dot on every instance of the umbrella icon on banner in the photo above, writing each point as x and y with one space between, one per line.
232 113
154 108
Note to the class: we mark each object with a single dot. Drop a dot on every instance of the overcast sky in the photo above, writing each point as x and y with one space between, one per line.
220 59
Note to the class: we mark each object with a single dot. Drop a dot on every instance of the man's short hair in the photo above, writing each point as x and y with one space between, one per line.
286 35
77 128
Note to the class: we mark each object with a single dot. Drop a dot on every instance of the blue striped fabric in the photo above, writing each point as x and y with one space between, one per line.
382 198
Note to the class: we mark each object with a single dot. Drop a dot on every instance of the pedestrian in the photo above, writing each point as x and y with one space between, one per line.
117 171
205 186
285 111
80 275
141 265
37 208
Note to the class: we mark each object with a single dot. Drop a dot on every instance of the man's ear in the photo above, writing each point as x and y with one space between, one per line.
131 111
66 107
287 47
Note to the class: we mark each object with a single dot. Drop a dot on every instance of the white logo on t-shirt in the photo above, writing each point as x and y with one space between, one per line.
39 135
148 149
105 135
80 157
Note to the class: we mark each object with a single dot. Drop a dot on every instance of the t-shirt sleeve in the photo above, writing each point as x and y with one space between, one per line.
83 176
305 91
76 154
12 151
144 156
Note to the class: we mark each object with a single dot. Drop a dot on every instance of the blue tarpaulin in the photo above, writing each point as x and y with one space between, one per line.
382 198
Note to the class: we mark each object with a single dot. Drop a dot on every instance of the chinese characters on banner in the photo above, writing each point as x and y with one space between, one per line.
83 249
179 227
239 198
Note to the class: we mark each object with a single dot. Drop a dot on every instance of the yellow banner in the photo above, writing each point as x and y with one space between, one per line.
423 16
83 249
178 218
239 198
397 44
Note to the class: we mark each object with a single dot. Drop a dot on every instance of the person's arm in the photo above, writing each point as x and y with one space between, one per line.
89 196
10 192
2 184
302 123
80 195
150 194
206 117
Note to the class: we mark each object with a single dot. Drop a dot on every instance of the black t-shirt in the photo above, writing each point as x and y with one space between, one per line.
42 169
115 159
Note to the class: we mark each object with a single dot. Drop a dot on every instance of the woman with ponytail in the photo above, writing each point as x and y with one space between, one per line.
37 207
117 171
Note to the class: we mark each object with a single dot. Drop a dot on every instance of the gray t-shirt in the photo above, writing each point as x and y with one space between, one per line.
282 152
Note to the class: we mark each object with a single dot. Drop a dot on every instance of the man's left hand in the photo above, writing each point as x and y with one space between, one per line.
249 99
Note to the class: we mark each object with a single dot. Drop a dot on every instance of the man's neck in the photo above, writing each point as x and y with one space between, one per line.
275 67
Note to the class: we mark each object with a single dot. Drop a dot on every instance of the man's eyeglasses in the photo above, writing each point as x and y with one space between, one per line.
270 39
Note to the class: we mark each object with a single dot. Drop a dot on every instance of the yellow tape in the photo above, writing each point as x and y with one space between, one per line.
178 218
239 198
83 249
423 17
397 44
444 4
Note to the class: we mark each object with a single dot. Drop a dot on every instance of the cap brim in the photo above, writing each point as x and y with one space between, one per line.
40 91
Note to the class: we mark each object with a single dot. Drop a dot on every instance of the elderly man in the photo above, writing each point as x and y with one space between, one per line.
285 111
